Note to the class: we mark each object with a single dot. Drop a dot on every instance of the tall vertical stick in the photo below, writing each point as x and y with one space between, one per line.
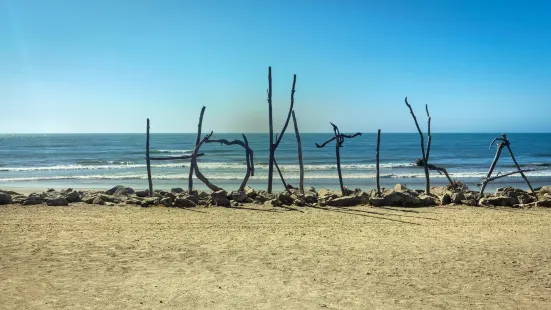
428 134
193 162
300 164
148 161
271 127
377 165
425 163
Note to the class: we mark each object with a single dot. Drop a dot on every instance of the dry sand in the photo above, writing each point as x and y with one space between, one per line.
90 257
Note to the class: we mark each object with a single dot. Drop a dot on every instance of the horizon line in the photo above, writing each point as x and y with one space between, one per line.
327 132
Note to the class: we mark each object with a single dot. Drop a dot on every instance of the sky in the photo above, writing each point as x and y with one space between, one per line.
70 66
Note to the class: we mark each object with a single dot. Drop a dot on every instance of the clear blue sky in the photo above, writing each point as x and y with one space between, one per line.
105 65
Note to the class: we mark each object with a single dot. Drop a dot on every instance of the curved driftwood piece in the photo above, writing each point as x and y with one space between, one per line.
194 157
377 162
427 187
273 146
300 164
198 173
248 155
338 144
148 161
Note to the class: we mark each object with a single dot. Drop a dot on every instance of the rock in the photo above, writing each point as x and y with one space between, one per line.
134 201
148 202
458 197
235 204
285 198
498 201
439 190
392 198
428 201
446 199
546 203
193 197
545 190
5 198
344 201
167 202
469 202
272 203
120 190
58 201
325 193
182 202
33 199
98 201
363 196
400 188
238 196
177 190
299 201
51 190
142 193
72 196
220 198
250 192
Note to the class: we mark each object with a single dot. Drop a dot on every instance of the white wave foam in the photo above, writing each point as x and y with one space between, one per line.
113 165
235 176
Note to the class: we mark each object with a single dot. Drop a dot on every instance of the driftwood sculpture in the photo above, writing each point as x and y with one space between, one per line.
377 159
339 137
148 158
300 164
273 146
207 139
504 143
424 162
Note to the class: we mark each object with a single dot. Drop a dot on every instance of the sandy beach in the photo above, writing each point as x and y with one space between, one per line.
257 257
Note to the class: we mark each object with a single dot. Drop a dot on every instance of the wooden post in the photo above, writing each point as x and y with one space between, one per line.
148 161
427 178
271 127
194 157
300 164
377 165
492 167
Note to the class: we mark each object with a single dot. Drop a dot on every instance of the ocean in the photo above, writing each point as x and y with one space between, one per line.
105 160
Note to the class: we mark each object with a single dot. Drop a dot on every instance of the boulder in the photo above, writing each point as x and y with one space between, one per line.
72 196
167 202
220 198
498 201
285 198
326 194
120 190
272 203
345 201
400 188
250 192
134 201
98 201
428 200
142 193
182 202
148 202
33 199
469 202
58 201
392 198
239 196
177 190
446 199
544 190
5 198
457 197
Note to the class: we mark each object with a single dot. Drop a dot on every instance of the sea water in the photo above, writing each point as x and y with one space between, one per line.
105 160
